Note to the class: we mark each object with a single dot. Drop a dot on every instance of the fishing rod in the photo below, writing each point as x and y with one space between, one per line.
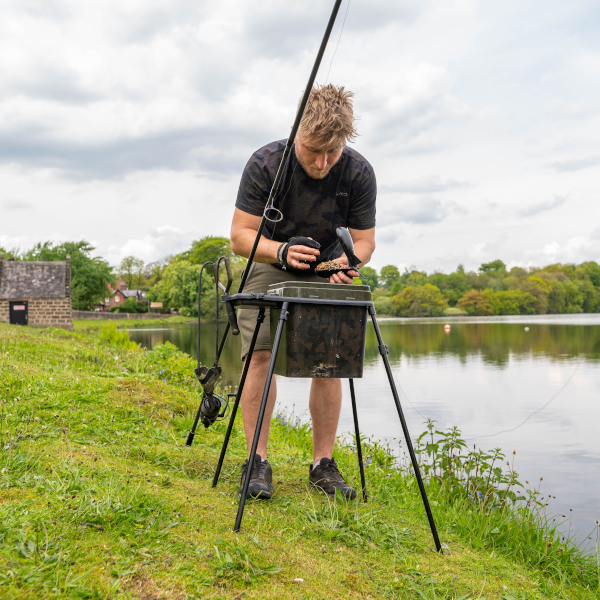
289 144
232 320
211 405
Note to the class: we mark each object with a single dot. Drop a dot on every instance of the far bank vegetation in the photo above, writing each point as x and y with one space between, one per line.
493 289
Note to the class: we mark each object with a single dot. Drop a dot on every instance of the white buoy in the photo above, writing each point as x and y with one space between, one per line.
526 328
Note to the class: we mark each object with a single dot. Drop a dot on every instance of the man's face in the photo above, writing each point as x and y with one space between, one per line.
317 162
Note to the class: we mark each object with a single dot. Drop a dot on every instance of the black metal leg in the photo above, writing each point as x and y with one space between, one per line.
413 457
259 319
282 318
358 445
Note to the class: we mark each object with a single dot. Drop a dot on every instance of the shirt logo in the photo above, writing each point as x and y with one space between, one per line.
341 194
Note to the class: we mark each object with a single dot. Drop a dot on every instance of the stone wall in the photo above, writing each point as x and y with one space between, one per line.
43 312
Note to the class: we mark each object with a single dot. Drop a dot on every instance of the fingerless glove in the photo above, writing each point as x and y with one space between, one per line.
282 253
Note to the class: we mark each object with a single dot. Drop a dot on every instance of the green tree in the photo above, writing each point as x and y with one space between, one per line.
153 272
371 277
590 295
421 301
511 302
475 303
89 275
534 286
592 270
208 248
453 286
179 285
131 268
131 305
13 254
388 276
492 267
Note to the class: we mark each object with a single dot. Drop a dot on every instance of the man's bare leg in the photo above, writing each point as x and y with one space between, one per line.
325 404
252 397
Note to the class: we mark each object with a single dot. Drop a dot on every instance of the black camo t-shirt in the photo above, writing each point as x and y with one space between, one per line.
311 207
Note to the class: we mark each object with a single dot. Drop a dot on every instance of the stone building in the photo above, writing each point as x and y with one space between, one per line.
36 293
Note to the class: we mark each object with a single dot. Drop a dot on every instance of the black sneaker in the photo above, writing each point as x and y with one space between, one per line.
261 479
327 478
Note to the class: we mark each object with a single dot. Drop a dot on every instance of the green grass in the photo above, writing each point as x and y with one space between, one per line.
100 498
97 324
453 311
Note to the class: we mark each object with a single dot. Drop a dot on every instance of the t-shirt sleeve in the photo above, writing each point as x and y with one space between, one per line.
361 213
254 187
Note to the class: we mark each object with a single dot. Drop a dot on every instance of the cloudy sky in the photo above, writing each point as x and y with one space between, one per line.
128 122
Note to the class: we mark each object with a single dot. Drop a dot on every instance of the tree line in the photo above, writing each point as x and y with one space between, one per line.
493 289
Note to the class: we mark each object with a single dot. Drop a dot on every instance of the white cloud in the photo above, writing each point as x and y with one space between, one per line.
427 209
574 164
129 123
539 207
425 185
160 242
576 249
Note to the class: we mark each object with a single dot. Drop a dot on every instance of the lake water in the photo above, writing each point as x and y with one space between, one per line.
534 390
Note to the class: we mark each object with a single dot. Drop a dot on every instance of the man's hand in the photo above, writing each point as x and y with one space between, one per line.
297 253
343 277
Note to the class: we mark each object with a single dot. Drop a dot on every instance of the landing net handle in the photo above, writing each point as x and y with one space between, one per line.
208 376
218 286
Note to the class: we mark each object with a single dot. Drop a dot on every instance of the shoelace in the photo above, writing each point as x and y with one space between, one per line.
258 469
332 468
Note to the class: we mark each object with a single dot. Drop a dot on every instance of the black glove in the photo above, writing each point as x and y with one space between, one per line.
296 241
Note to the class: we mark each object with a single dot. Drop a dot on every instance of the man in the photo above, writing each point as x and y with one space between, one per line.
325 185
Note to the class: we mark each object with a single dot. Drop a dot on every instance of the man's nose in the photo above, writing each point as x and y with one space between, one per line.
321 161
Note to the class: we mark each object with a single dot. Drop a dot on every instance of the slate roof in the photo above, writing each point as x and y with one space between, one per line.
24 279
130 293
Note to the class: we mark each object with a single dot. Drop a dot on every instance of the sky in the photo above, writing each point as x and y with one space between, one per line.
128 123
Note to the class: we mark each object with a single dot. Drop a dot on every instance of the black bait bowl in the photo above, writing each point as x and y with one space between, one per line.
326 270
327 273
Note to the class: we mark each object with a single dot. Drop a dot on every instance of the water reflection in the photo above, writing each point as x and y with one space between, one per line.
497 343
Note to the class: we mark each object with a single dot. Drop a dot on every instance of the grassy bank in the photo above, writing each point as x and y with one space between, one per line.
84 325
100 498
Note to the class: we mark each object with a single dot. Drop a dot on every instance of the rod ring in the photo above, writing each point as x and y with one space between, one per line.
266 214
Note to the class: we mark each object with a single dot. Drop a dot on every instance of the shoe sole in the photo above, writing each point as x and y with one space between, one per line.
260 495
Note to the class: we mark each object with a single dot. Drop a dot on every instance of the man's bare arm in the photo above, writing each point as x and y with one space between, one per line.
243 233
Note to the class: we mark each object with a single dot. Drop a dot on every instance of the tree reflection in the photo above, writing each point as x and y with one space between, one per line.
495 343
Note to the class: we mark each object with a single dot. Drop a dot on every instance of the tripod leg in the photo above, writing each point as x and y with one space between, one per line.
282 319
358 445
413 457
259 319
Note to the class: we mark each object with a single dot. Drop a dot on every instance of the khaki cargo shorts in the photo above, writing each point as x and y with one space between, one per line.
262 275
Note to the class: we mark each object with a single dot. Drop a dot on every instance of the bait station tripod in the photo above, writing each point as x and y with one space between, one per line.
317 330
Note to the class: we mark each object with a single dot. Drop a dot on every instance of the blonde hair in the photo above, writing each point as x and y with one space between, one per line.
329 117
